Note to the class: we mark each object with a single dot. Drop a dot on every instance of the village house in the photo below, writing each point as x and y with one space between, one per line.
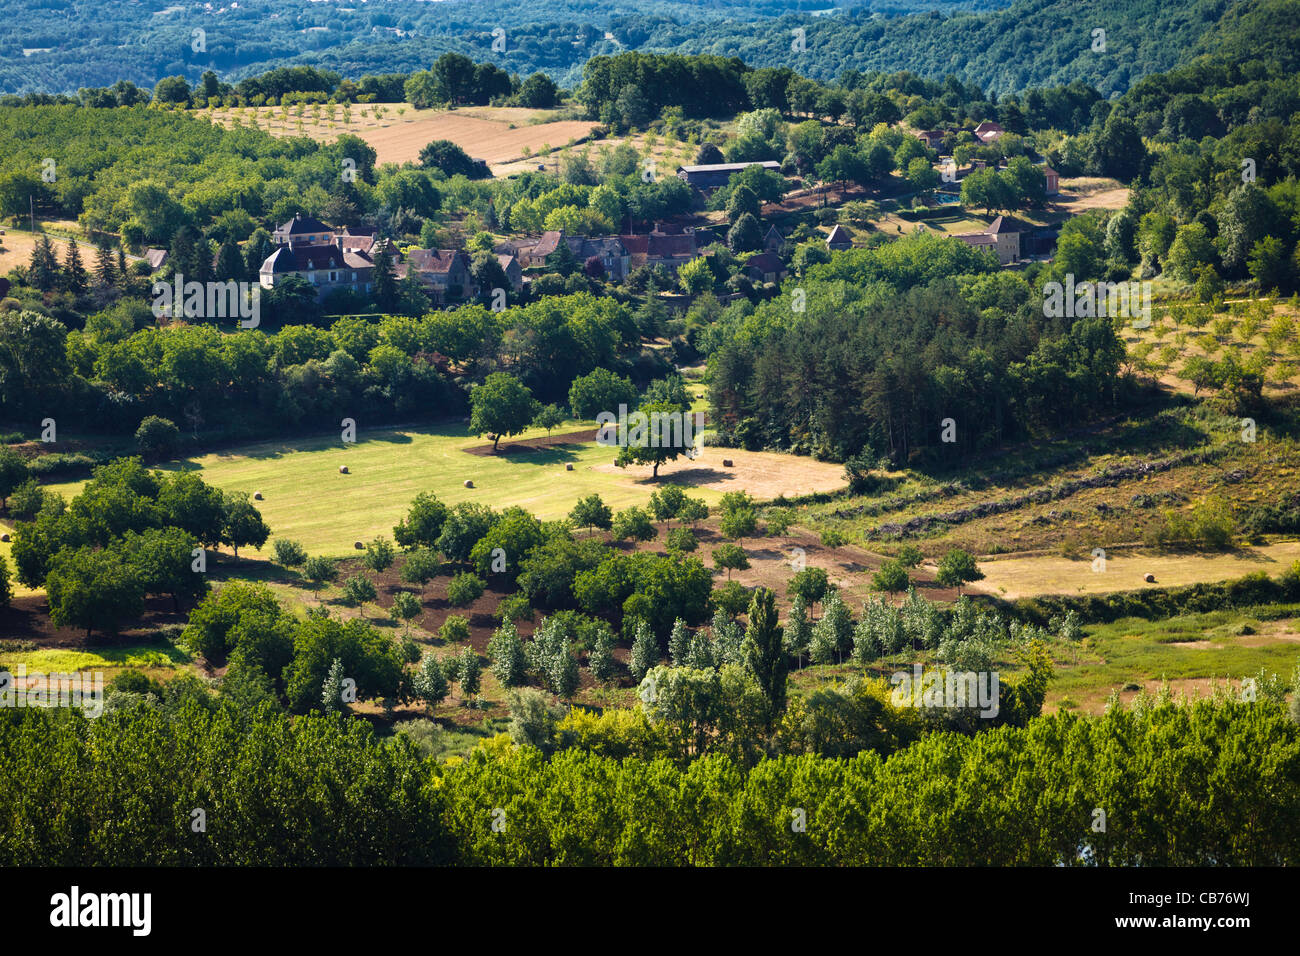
157 258
989 132
840 238
933 138
766 267
329 261
1002 237
660 249
444 274
773 241
510 266
608 250
532 252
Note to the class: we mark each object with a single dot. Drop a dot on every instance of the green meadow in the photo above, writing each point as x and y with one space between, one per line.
1190 651
305 497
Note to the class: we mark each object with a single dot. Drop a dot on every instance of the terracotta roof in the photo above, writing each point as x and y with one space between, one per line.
440 261
549 242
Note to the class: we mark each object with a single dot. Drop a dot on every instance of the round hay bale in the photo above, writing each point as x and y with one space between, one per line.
468 483
4 537
568 466
358 545
257 496
343 470
726 463
1149 578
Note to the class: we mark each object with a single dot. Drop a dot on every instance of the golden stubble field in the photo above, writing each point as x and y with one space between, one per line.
398 131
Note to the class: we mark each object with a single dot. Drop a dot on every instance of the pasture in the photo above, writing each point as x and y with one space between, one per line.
1192 653
1022 577
306 498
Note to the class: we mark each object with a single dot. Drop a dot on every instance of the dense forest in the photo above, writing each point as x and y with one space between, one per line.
1005 47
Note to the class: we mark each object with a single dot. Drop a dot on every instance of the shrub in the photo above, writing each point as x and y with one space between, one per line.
288 553
465 589
682 539
157 436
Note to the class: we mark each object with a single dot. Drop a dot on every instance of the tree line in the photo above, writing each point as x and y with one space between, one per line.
319 790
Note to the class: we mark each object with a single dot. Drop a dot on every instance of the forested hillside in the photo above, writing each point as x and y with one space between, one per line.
1006 48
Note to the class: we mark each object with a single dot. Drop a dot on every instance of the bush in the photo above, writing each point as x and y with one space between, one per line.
288 553
633 523
834 538
682 539
514 608
157 437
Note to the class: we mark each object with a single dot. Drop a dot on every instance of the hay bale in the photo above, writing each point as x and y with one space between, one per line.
358 545
726 463
468 483
343 470
568 466
1149 578
4 537
257 496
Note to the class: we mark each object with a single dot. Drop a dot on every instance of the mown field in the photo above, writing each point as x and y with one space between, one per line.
398 131
306 498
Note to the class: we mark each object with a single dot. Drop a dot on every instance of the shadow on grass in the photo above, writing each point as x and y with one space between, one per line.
276 449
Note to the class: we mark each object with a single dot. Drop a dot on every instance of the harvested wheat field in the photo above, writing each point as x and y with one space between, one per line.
1084 193
1013 577
398 132
764 475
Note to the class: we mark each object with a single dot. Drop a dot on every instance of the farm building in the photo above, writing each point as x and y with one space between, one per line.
1053 180
716 175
